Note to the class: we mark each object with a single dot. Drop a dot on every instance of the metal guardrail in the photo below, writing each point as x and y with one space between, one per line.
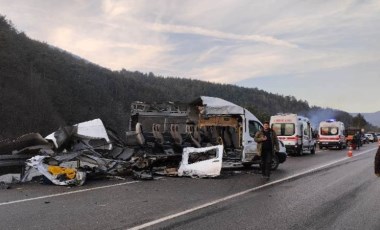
13 160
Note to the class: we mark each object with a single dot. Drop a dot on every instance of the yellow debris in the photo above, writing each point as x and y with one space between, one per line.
58 170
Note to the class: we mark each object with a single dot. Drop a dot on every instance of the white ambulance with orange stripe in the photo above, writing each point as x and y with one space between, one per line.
295 131
331 133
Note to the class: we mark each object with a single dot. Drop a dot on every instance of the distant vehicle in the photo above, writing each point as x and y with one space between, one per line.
375 138
364 139
351 137
370 137
295 131
331 134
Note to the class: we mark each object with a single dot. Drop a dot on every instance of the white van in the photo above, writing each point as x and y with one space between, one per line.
295 131
206 121
331 134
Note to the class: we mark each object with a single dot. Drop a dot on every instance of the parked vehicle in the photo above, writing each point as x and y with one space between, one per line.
370 137
364 139
295 131
375 138
331 134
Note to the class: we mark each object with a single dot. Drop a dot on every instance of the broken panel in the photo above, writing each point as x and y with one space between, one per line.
201 162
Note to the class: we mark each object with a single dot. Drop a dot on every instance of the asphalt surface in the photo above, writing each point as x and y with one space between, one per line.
327 190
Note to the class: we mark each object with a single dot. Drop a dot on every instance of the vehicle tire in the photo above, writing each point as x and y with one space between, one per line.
300 151
275 163
312 151
247 165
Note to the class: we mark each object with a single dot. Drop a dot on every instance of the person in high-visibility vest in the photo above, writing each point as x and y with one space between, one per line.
377 162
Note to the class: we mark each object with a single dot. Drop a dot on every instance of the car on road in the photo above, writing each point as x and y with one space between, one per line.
378 136
370 137
375 138
364 139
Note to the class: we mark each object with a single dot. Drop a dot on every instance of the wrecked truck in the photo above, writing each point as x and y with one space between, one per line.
174 129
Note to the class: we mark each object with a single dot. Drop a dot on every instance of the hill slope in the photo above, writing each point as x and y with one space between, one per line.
373 118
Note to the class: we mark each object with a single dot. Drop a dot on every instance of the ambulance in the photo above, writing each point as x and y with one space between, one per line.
332 134
295 131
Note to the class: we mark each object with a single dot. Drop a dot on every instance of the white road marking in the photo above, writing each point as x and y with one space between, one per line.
67 193
151 223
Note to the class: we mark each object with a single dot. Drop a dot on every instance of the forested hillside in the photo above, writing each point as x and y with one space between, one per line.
373 118
43 87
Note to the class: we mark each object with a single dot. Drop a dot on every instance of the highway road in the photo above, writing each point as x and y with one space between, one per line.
327 190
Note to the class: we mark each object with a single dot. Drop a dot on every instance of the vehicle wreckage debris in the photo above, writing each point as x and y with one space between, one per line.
170 139
3 185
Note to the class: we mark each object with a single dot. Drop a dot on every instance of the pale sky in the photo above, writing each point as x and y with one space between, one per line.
324 52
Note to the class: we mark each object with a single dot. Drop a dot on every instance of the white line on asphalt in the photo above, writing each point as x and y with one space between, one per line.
148 224
67 193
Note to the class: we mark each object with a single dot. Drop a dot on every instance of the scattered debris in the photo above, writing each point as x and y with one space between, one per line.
13 153
3 185
10 178
201 162
143 175
57 175
171 139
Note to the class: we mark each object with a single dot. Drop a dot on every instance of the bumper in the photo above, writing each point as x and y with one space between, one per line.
329 144
292 148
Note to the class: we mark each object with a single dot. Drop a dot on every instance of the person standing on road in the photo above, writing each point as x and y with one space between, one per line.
267 146
377 162
358 140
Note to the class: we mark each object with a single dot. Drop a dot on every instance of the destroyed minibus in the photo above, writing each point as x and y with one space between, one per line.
172 128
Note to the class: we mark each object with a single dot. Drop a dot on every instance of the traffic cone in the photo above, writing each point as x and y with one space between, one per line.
349 154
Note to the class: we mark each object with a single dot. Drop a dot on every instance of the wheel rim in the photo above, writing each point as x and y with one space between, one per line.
275 162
